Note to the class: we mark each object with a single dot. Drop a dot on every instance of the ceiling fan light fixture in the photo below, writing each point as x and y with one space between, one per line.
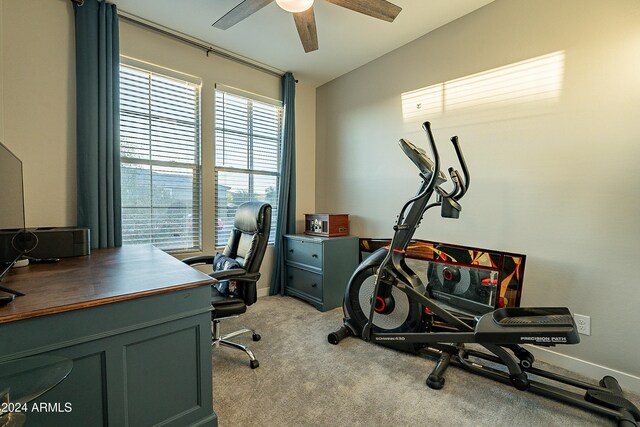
295 6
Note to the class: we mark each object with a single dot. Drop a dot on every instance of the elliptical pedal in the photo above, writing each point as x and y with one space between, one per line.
550 320
546 326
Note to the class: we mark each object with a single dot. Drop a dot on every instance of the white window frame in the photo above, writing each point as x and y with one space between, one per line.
220 238
195 166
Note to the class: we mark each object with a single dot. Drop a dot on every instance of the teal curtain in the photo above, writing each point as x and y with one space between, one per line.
98 122
286 223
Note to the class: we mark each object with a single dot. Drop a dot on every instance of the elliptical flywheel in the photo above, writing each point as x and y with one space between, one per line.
396 313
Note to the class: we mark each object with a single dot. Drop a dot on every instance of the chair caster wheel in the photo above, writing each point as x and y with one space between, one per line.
254 363
435 383
256 337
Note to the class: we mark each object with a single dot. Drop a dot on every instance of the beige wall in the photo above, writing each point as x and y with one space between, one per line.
38 100
305 152
557 180
1 74
38 105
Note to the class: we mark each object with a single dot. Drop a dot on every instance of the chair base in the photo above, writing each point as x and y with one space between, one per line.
217 339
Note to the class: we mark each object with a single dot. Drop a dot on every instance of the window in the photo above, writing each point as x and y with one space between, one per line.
160 160
247 156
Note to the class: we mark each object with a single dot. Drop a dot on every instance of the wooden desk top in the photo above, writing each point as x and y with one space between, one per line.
106 276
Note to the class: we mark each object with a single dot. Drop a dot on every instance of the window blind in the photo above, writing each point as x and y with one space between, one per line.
160 160
248 140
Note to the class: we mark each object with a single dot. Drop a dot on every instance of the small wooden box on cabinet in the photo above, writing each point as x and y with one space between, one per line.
318 268
326 225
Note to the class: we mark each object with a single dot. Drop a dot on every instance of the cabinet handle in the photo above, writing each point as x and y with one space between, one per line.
314 256
315 285
291 250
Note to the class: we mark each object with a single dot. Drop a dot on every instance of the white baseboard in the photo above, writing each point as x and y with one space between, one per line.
628 382
262 292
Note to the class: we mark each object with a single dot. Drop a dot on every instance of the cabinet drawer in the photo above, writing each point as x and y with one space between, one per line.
304 252
304 281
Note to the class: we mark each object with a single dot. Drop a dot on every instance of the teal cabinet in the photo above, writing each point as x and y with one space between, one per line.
318 268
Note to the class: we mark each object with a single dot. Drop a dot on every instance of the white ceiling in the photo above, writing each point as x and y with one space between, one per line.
346 39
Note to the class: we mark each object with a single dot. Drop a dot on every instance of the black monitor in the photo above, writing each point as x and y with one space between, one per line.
11 191
11 207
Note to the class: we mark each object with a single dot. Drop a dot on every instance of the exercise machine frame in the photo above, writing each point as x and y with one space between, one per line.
443 333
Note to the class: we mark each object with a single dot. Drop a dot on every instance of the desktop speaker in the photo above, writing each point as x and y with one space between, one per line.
44 242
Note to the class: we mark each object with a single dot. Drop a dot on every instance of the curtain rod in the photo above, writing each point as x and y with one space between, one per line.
197 43
192 41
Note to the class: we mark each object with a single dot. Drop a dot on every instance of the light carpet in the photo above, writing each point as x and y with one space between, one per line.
305 381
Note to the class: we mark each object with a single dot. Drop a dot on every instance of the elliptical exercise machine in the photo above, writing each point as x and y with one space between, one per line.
386 302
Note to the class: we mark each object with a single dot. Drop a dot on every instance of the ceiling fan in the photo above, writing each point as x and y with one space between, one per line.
304 17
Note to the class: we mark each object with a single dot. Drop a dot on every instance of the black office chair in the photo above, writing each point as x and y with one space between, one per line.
247 245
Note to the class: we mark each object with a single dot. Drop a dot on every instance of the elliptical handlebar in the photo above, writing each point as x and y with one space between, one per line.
430 169
436 157
413 210
455 178
464 185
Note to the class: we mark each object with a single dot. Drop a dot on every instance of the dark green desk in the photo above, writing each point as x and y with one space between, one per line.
136 323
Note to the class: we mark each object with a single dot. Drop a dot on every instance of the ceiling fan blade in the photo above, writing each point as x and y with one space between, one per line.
380 9
240 12
306 25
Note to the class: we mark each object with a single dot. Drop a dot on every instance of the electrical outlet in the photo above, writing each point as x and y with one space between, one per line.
583 323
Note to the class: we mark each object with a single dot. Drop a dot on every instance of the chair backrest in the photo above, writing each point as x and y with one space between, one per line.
250 235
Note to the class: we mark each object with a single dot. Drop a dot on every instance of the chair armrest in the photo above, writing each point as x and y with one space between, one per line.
246 282
235 274
201 259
